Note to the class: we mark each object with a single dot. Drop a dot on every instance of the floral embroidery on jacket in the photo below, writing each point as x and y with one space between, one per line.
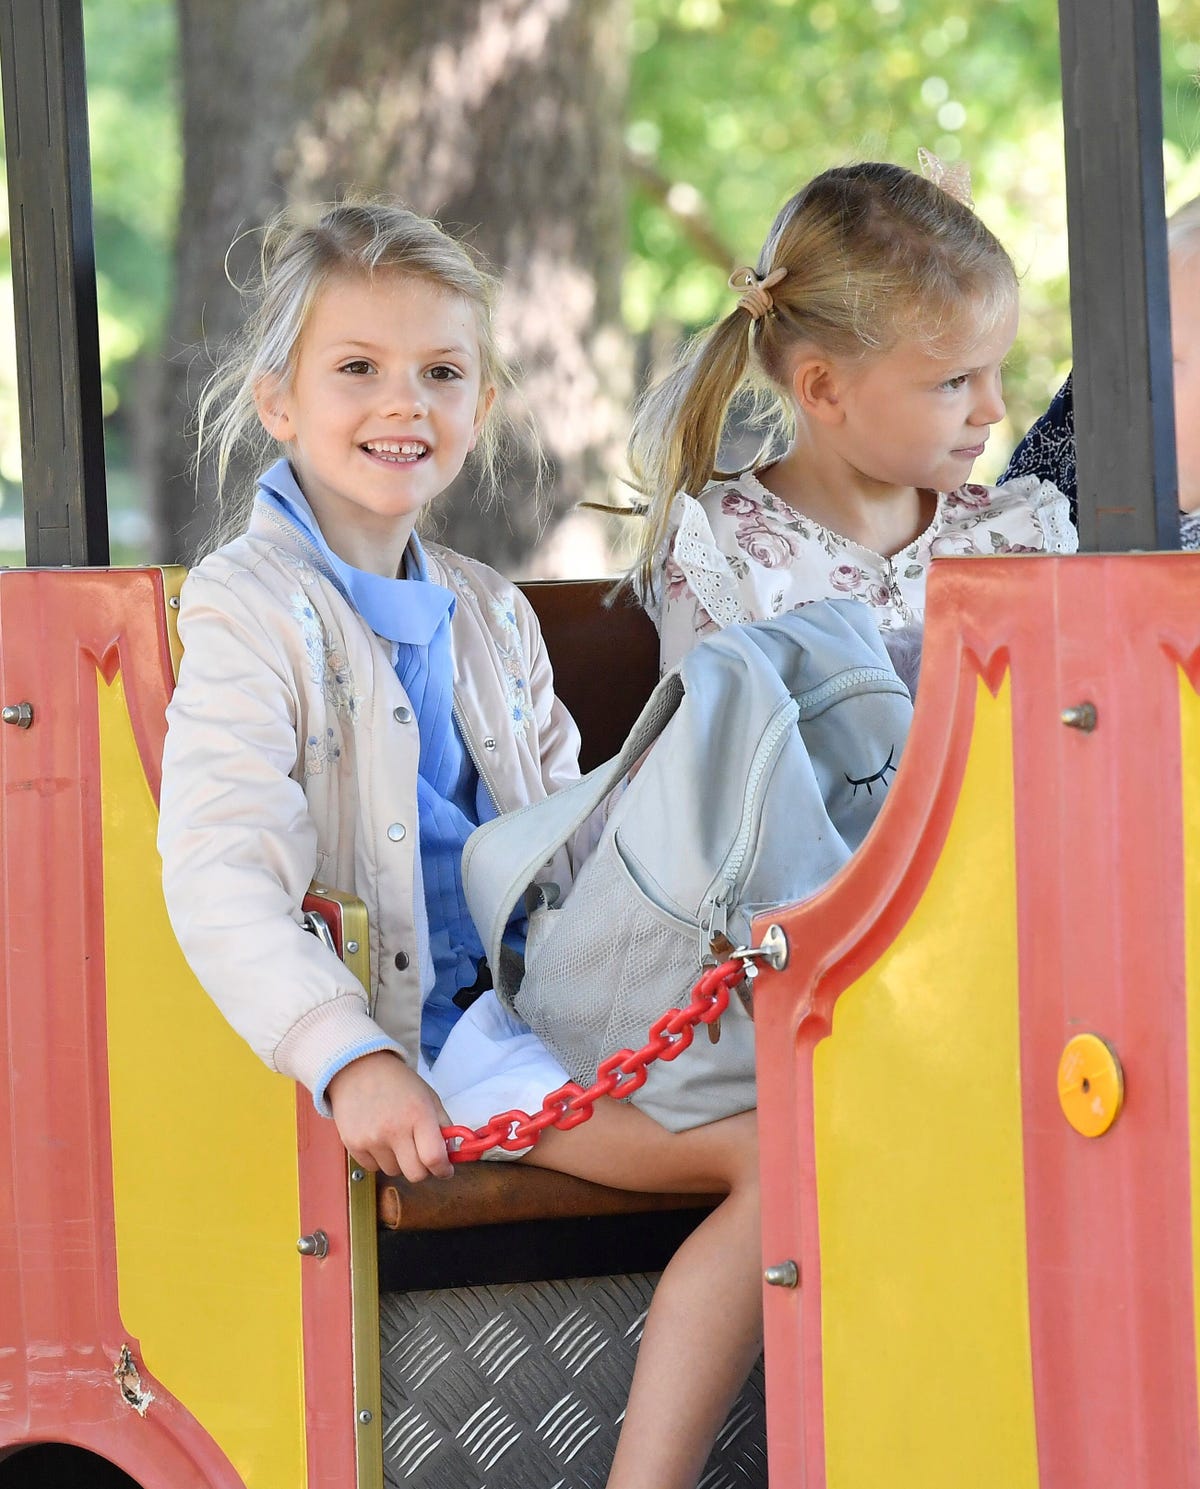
463 584
512 664
320 754
506 634
327 664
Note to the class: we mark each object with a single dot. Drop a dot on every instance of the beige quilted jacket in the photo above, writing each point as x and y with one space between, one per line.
291 755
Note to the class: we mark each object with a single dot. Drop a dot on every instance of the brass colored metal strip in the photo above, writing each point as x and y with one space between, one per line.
173 576
364 1250
364 1298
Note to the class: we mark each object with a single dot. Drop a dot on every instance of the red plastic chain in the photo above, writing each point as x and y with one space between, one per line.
621 1074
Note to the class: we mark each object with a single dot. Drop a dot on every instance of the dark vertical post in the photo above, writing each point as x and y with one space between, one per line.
1120 320
54 281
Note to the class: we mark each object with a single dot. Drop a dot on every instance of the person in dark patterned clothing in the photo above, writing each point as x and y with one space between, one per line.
1048 450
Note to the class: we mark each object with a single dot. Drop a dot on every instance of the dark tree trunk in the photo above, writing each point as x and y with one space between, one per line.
502 118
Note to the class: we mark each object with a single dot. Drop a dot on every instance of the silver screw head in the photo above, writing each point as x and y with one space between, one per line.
782 1274
366 1416
20 714
1081 716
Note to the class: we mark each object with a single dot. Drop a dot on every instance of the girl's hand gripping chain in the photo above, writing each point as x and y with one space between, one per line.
389 1119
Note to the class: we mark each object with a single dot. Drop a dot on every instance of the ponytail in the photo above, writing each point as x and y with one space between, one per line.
678 423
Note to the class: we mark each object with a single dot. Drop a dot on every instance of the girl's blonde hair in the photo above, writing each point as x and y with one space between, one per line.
1183 231
873 254
350 239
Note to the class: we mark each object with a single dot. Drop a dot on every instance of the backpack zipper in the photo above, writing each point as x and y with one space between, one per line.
843 682
787 716
778 726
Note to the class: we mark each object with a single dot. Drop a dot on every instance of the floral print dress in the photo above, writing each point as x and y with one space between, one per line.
739 553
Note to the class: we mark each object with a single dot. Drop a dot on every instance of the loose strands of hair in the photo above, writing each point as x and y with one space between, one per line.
348 239
874 253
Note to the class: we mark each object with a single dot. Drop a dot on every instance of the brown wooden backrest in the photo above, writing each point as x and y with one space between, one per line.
605 658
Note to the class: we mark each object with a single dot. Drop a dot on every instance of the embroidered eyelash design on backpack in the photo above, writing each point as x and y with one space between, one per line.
879 775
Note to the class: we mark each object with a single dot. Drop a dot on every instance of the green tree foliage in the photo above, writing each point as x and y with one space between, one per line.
737 102
734 104
133 118
133 121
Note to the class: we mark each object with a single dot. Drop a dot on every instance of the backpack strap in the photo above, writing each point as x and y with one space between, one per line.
502 857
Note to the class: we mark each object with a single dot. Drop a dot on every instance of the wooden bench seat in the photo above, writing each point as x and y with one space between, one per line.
488 1193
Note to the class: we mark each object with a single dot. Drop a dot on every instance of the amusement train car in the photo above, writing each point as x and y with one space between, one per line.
979 1070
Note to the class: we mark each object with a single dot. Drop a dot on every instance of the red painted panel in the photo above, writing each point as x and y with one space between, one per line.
328 1315
835 938
59 1270
1100 866
1099 855
60 1328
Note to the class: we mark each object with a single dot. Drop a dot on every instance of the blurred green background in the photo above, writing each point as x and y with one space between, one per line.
732 105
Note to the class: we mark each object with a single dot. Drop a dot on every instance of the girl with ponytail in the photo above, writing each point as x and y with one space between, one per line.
874 328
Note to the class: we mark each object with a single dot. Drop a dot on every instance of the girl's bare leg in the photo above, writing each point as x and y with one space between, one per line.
704 1328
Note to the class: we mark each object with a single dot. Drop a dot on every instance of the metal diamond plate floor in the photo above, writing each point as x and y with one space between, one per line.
523 1387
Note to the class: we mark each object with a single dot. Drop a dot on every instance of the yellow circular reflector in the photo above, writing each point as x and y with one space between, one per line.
1091 1084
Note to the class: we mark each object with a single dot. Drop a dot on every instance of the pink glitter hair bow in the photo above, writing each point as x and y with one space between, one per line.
954 177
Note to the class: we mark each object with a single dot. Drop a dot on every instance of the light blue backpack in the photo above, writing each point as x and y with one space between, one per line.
774 744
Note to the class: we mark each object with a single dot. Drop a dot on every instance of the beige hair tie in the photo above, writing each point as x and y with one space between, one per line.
756 293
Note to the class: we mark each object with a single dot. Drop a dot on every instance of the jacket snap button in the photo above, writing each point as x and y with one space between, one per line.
397 832
401 960
489 744
402 714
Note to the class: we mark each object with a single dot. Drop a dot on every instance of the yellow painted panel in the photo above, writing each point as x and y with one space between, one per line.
204 1161
1189 714
924 1290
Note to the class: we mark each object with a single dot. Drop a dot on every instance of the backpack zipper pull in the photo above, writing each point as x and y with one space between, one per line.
722 949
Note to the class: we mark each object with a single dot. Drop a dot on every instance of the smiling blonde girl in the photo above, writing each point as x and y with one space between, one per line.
351 703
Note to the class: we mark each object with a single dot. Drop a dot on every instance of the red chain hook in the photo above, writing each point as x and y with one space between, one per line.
619 1075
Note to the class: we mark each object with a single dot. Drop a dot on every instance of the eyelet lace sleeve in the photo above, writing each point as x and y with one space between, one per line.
1051 509
697 587
706 569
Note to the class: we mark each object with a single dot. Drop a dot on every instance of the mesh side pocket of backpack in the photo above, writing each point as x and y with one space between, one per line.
606 966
